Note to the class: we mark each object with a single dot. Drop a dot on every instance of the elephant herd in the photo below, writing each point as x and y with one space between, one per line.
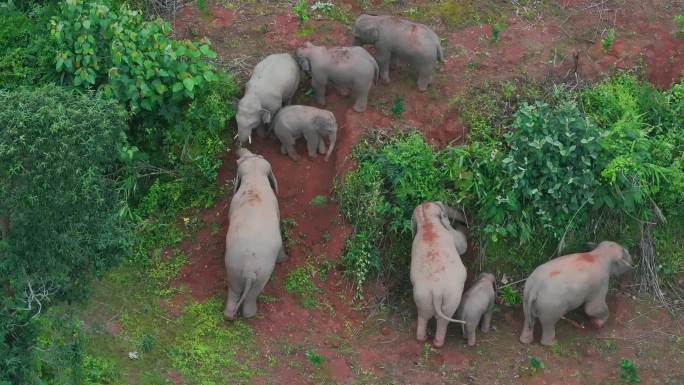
254 242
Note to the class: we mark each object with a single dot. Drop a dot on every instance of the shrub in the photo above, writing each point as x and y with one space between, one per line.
59 206
27 51
134 60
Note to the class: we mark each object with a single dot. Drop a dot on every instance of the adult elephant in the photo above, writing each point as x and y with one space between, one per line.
568 282
349 69
437 272
253 241
393 37
272 84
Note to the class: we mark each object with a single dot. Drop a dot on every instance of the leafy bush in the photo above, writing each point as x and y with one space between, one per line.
26 47
59 213
134 60
552 153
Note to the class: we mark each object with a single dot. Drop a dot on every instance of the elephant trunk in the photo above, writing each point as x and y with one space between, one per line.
333 139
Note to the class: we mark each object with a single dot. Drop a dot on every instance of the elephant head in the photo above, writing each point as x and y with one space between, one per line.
489 277
365 30
430 211
326 125
250 114
251 164
303 56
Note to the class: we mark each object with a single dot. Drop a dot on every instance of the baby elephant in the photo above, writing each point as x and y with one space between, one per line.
568 282
312 123
407 41
477 306
253 241
437 273
347 68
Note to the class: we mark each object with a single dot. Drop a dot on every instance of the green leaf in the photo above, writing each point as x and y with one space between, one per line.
189 83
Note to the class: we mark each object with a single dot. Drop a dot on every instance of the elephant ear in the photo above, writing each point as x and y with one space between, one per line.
414 223
273 181
443 218
236 184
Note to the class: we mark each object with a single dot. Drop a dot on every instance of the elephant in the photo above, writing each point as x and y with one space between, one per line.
437 273
253 241
568 282
347 68
396 38
312 123
274 82
477 306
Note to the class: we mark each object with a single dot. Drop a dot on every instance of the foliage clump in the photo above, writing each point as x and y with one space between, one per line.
59 210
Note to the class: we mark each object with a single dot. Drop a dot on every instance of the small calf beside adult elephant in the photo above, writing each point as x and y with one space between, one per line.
349 69
253 241
393 37
568 282
293 122
437 273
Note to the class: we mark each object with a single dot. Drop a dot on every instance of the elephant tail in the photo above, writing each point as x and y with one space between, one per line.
437 303
249 278
440 53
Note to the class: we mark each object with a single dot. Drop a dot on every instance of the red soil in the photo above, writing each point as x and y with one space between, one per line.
357 344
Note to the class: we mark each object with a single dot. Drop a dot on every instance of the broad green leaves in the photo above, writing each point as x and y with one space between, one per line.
134 60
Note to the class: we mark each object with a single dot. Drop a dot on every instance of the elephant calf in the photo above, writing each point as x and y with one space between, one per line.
437 273
253 241
312 123
347 68
407 41
274 82
477 306
568 282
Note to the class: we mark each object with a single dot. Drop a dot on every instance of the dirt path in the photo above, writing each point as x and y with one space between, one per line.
364 344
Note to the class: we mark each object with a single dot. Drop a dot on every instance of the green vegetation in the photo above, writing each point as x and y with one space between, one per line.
139 152
332 11
397 107
608 41
58 154
534 190
302 11
497 28
535 364
510 296
679 21
628 372
316 359
319 200
300 282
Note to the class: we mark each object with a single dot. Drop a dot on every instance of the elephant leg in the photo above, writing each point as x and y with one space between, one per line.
321 145
312 146
319 88
230 311
487 320
527 335
283 150
249 306
292 152
424 77
383 58
597 310
282 256
548 324
471 326
449 308
361 98
423 300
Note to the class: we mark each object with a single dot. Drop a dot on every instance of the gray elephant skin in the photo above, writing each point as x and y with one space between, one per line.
253 240
477 306
273 83
314 124
437 273
349 69
396 38
568 282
